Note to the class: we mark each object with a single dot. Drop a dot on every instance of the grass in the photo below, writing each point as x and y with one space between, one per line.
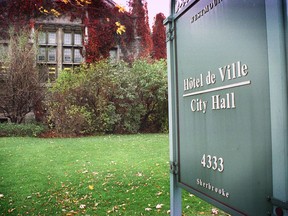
105 175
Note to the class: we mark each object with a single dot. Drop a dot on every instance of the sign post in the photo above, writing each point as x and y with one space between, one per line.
228 104
175 191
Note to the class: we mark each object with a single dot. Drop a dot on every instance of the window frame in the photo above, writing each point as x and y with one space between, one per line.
69 55
42 38
52 40
41 53
70 38
49 54
78 39
77 55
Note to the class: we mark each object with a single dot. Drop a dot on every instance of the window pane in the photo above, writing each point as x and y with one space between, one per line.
78 39
42 38
52 38
67 55
67 38
52 55
41 54
77 56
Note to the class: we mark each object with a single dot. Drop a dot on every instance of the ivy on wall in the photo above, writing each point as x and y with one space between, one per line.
108 25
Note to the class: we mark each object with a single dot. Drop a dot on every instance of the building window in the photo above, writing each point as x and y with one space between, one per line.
52 55
77 39
52 38
67 55
42 38
77 56
67 38
42 54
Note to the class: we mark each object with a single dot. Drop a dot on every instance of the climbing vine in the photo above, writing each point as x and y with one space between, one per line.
159 38
108 25
102 20
139 13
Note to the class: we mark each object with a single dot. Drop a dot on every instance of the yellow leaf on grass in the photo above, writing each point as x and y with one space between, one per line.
91 187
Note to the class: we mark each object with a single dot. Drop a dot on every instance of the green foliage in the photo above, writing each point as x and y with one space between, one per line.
16 130
110 98
151 90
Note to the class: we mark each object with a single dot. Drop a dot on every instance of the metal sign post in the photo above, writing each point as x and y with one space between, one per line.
175 191
227 68
277 48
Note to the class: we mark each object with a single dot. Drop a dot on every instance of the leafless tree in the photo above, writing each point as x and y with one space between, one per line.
20 86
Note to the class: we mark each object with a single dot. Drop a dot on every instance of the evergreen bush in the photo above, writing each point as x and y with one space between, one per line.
21 130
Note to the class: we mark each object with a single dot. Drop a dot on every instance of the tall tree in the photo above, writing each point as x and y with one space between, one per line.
159 38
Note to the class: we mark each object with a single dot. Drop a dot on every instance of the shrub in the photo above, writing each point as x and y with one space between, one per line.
110 98
13 130
66 117
151 89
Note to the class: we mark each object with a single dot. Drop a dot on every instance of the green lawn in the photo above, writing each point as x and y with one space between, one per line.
104 175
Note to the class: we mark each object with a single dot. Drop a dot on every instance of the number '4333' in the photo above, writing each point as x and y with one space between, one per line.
213 162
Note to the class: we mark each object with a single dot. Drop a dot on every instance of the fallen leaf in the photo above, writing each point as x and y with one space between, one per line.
159 193
148 209
139 174
113 162
82 206
159 206
91 187
11 210
71 213
214 211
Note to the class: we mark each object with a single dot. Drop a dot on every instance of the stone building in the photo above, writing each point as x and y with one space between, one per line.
61 42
